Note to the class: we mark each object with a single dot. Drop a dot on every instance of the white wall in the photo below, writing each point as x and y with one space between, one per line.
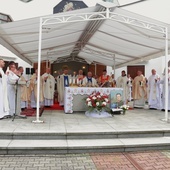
158 64
7 53
117 71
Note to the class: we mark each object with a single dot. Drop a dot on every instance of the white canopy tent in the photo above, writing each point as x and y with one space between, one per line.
102 34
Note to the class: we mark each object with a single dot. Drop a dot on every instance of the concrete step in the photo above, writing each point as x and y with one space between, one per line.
15 146
85 135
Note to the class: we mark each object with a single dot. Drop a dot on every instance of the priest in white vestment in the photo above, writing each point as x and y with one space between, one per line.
89 81
163 91
63 81
121 82
4 105
12 88
32 91
23 85
48 88
139 90
154 91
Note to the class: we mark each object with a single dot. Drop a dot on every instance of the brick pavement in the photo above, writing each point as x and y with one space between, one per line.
152 160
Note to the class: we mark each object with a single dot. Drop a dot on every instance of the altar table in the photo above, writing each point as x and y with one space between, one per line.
73 97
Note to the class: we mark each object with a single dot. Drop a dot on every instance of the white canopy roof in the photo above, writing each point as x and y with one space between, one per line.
127 36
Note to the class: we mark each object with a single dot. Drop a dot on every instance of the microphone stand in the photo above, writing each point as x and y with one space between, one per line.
15 114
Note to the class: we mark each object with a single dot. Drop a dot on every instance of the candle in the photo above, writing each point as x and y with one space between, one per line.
73 80
77 81
70 81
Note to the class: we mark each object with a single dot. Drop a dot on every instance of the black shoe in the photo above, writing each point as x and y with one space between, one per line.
152 108
163 110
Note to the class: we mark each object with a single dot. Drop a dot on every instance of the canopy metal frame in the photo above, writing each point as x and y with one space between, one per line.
103 15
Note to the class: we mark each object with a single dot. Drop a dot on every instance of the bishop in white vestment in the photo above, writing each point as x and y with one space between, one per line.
4 105
48 88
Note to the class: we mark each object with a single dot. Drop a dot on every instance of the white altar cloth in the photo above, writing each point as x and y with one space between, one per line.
71 92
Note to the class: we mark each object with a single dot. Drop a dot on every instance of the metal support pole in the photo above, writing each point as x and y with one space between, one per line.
95 71
166 75
107 12
114 67
38 76
47 63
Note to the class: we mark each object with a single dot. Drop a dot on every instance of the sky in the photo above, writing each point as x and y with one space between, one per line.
157 9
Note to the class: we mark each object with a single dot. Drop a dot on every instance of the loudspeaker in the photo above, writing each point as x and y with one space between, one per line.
27 70
32 70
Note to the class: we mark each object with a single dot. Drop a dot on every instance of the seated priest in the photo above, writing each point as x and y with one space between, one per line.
89 81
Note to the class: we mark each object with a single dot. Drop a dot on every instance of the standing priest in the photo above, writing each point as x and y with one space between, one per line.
154 92
32 91
122 83
48 88
139 91
4 106
63 81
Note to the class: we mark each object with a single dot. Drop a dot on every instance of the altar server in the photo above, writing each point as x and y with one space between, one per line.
154 91
48 88
139 90
4 105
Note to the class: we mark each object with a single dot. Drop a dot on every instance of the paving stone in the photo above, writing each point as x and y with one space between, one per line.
150 160
111 161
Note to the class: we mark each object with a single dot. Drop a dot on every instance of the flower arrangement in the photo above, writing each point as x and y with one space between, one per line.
97 101
124 108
